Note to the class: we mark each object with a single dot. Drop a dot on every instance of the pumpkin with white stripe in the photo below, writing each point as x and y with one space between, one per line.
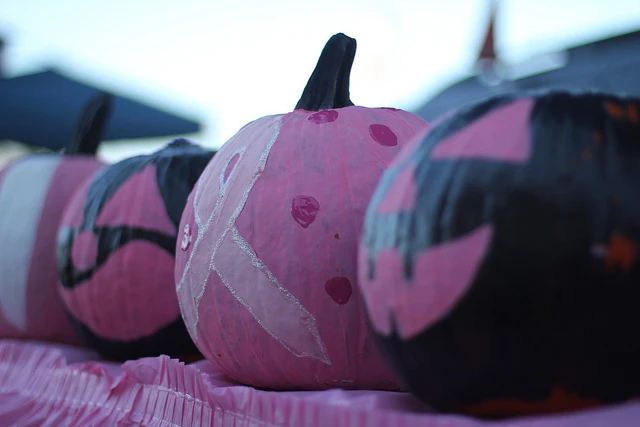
34 190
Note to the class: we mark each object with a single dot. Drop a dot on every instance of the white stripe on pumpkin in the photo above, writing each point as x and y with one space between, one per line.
22 197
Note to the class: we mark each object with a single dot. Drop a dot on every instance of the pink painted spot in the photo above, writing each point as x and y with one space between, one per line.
84 251
383 135
401 196
339 289
441 277
501 135
324 116
304 210
230 166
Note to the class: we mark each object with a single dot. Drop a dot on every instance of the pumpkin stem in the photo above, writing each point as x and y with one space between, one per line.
91 126
328 86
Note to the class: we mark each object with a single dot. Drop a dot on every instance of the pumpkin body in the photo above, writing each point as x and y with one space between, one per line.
499 264
116 249
33 193
267 272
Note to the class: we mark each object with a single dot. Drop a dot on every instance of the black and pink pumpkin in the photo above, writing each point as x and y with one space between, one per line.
499 260
116 248
34 190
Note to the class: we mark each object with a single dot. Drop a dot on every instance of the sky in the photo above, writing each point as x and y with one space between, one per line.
227 62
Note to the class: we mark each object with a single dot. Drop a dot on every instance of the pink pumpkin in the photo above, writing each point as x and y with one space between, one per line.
266 267
33 193
116 249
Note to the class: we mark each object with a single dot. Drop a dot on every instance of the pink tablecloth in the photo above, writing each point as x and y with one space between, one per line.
49 385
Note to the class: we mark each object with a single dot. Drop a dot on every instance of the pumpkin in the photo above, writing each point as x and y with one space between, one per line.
115 254
267 264
33 192
498 262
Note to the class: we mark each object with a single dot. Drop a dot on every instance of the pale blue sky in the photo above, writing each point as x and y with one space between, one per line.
229 62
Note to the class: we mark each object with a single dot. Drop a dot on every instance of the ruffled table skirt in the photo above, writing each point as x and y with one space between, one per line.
56 385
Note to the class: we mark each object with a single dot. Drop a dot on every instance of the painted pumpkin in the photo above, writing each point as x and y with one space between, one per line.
499 256
267 264
116 248
34 190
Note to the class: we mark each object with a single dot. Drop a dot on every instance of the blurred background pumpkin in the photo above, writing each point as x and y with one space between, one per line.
34 189
115 253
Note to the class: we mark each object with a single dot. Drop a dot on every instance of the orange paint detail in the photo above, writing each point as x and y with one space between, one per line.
622 253
614 110
620 112
633 113
559 400
598 137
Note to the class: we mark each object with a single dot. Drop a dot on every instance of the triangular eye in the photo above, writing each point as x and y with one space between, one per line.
487 139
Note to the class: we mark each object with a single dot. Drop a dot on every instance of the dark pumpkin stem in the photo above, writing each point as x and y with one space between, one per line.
328 86
91 126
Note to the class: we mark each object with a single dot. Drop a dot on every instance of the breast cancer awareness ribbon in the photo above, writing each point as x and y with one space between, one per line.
248 279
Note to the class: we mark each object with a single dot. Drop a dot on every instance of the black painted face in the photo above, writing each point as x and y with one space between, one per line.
178 167
552 304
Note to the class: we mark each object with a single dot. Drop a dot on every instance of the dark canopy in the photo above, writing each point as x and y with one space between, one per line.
42 110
